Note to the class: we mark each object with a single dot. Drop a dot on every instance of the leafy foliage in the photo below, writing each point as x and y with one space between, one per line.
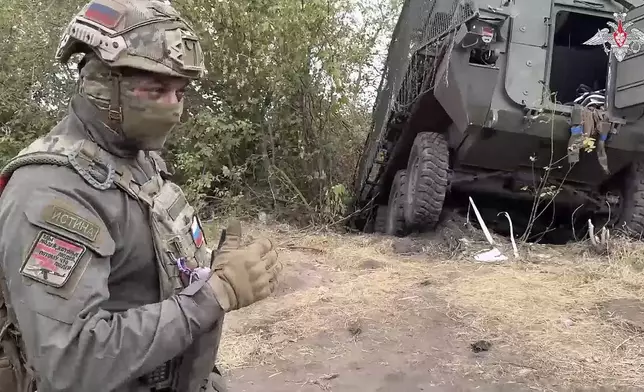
278 122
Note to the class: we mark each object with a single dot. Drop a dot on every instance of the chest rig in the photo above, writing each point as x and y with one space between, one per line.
179 239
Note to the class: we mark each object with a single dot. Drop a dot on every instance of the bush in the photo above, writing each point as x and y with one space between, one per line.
276 125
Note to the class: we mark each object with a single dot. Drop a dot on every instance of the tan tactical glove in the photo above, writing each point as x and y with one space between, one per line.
243 275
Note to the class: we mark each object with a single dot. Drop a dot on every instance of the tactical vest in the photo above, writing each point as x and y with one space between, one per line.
179 240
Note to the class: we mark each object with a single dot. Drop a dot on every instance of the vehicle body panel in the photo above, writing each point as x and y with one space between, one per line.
629 89
499 117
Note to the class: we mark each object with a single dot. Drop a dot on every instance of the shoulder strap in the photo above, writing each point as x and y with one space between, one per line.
144 193
84 156
159 164
96 166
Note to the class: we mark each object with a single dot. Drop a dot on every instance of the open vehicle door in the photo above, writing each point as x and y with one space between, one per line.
629 72
527 53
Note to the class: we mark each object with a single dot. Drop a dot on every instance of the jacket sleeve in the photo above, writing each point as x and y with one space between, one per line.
56 253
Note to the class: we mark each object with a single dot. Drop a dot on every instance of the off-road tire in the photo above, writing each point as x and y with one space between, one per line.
395 224
427 180
380 222
632 211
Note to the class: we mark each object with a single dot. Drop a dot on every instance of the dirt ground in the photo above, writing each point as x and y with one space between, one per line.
376 313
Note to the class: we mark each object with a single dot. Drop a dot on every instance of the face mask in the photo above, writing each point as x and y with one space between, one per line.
147 124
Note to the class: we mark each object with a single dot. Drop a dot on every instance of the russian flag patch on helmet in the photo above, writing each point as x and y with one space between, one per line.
103 15
197 233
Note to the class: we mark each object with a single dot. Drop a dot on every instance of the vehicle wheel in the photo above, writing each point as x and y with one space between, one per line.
396 208
632 212
380 224
427 180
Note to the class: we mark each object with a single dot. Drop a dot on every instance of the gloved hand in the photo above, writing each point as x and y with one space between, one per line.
243 275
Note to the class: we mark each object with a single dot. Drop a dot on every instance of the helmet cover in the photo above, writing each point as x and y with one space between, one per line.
148 35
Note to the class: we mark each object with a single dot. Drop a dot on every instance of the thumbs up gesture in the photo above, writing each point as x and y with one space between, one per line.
243 275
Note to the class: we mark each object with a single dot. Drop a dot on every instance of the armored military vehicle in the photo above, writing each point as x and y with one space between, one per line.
507 98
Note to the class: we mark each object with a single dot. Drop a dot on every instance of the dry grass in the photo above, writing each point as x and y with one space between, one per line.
348 295
555 311
548 306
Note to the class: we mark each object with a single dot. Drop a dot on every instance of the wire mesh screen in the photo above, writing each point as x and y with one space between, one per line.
406 32
407 27
416 42
410 68
444 16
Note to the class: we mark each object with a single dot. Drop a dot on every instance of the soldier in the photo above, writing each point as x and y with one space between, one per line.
107 273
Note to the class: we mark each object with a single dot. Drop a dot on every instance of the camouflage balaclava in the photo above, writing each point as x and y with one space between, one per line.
145 35
143 124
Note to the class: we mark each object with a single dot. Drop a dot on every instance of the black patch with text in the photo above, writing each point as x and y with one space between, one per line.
52 259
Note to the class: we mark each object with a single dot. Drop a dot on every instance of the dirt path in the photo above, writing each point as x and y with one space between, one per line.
352 314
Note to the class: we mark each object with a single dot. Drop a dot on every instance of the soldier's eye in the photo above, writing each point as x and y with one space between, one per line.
155 92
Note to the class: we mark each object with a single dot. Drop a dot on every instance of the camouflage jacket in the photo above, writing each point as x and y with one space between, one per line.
96 308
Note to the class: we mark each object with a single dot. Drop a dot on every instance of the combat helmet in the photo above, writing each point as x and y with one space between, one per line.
149 35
